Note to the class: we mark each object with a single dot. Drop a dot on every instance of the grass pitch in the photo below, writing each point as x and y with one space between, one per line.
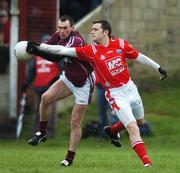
99 156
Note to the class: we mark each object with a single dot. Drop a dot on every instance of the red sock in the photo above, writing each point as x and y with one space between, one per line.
43 127
117 127
140 150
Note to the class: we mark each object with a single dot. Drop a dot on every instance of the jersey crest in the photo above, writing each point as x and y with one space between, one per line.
118 51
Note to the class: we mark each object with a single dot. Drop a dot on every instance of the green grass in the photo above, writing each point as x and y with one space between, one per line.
93 156
98 156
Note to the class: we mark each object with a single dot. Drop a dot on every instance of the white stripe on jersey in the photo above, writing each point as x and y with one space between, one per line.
67 44
94 49
72 39
79 39
121 43
70 43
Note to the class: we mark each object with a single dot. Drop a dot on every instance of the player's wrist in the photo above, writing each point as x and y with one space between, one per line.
162 72
32 47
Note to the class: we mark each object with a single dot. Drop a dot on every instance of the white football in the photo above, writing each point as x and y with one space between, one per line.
20 51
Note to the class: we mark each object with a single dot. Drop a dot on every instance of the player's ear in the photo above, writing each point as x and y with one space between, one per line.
73 28
106 32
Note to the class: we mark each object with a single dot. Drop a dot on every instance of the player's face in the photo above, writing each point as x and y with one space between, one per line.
97 33
64 29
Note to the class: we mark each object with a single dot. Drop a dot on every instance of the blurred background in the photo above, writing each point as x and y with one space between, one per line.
153 27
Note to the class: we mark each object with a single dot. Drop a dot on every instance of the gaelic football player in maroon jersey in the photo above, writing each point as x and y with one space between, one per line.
76 79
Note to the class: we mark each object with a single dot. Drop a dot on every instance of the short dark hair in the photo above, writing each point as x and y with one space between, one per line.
65 18
105 26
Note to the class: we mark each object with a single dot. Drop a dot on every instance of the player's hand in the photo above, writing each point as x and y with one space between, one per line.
163 73
32 47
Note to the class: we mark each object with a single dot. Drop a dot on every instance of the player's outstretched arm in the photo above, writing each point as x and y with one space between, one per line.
148 61
59 50
34 48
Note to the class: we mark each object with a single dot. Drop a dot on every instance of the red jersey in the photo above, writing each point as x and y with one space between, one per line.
109 62
6 32
46 72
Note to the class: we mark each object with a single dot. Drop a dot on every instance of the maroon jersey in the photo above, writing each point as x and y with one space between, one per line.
76 70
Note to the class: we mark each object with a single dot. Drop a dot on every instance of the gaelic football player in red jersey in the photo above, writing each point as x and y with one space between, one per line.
76 79
108 57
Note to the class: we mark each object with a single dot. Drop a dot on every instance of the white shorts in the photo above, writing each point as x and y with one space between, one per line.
126 102
82 94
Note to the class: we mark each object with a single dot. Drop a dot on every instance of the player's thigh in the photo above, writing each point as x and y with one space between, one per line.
138 110
136 104
125 115
78 114
57 91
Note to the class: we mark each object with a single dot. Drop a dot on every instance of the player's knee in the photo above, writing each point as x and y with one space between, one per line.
133 129
140 121
45 99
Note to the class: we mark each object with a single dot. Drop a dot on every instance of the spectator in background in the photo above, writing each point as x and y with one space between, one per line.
4 22
6 28
44 73
4 36
4 4
1 33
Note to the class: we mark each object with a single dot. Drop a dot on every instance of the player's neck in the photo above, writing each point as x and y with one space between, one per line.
105 41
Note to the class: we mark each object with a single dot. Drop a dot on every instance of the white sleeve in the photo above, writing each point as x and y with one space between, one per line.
58 50
143 59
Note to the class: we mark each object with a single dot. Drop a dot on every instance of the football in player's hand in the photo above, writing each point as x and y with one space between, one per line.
20 51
